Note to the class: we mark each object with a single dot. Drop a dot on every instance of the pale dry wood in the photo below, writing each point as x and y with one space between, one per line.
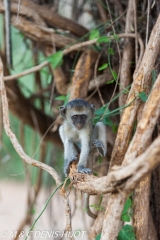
141 78
83 73
141 208
138 145
127 57
23 155
140 140
113 208
122 178
126 125
146 124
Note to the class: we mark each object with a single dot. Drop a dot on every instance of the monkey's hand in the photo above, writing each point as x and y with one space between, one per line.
82 169
100 147
67 164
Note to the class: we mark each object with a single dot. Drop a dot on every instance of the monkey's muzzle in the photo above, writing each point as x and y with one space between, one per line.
79 126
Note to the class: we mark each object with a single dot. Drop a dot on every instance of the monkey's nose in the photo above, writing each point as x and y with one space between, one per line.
79 126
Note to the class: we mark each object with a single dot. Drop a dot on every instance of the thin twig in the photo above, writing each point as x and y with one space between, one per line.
95 77
135 27
147 27
18 11
118 53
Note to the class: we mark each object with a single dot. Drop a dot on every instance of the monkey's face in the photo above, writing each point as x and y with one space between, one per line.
79 120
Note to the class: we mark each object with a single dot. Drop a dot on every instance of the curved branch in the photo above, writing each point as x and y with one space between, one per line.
21 152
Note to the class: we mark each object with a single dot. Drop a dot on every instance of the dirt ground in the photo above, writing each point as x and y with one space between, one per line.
13 198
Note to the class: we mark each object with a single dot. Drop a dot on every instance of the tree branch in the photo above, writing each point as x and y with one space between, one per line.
22 154
68 50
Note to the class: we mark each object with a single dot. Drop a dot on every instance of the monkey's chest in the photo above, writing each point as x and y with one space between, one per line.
74 137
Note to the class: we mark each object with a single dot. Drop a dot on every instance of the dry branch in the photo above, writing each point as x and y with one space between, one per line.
128 51
49 16
22 154
143 134
82 74
125 178
141 79
68 50
55 19
40 35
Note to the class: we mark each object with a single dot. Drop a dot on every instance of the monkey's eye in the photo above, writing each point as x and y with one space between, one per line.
74 117
83 116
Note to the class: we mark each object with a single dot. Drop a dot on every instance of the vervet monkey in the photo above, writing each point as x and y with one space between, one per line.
79 135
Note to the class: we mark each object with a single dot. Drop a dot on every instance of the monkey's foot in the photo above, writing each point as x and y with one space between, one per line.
82 169
100 147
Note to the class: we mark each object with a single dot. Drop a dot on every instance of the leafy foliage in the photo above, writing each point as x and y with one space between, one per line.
143 96
104 66
98 237
103 39
63 98
127 233
94 34
56 59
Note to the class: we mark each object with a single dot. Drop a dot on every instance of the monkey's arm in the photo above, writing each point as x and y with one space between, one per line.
70 152
100 138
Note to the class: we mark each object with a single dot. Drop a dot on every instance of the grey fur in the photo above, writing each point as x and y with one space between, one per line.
83 141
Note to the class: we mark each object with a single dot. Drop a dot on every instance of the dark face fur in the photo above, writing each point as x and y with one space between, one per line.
78 111
79 120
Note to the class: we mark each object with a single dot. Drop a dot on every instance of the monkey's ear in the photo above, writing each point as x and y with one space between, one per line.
93 108
63 111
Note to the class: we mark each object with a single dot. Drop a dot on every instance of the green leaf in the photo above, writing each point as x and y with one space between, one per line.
104 66
114 74
110 51
126 218
96 119
98 237
94 34
49 80
127 233
100 111
107 121
110 81
103 39
116 37
143 96
67 99
61 98
114 128
127 205
56 59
